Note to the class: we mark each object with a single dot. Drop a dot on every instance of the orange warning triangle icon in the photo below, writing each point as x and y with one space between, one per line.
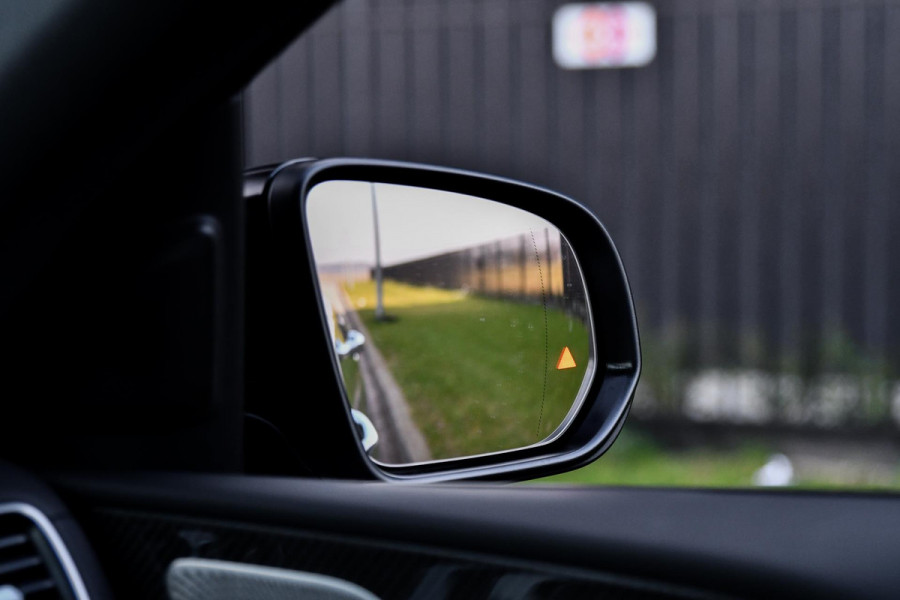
566 360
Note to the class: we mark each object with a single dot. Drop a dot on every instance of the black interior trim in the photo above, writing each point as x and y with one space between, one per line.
749 544
18 486
140 547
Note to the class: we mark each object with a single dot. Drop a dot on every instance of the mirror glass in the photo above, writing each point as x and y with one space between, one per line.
460 324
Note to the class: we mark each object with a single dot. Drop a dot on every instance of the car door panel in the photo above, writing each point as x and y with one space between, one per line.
393 539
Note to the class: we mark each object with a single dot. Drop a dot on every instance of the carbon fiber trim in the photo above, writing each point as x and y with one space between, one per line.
138 548
205 579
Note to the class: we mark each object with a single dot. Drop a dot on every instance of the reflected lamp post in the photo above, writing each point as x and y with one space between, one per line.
379 277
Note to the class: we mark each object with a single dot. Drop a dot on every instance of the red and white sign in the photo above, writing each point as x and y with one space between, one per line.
605 35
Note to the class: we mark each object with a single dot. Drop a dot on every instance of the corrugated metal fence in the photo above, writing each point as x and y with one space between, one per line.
749 174
524 268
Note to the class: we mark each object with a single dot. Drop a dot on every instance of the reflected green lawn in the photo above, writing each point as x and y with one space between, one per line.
479 374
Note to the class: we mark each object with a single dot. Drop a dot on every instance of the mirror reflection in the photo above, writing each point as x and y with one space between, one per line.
460 324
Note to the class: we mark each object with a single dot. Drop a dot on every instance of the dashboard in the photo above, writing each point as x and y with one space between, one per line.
148 548
152 532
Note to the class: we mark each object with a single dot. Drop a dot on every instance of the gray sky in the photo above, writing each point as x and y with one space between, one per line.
414 222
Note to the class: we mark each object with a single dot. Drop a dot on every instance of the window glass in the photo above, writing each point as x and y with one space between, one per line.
744 157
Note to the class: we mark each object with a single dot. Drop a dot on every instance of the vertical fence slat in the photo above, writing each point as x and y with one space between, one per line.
424 81
494 143
726 165
808 110
891 75
876 209
670 239
293 125
358 114
853 165
260 120
708 210
755 33
391 99
787 205
686 102
831 241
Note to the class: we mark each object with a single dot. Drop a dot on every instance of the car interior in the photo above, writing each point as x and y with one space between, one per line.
174 423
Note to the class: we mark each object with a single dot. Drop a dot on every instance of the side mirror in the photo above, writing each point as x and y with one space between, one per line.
481 328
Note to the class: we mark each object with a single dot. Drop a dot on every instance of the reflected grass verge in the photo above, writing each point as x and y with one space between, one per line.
479 374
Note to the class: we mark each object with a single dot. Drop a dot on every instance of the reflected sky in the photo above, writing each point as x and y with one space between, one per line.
414 222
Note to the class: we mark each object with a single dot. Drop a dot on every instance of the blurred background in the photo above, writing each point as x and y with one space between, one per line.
748 173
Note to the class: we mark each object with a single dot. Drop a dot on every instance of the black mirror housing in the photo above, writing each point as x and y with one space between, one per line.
320 438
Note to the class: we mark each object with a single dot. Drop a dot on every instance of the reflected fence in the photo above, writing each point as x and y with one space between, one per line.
537 267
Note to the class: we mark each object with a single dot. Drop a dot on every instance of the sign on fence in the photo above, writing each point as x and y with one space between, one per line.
605 35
